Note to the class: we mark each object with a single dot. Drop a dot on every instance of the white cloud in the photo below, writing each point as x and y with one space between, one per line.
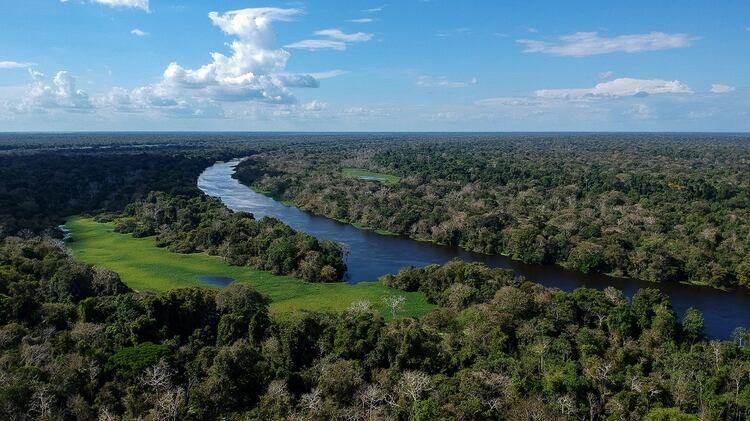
640 111
718 88
135 4
606 75
374 9
362 20
582 44
314 105
139 33
254 71
328 74
318 44
339 35
622 87
337 40
61 94
622 104
13 65
442 82
508 101
453 32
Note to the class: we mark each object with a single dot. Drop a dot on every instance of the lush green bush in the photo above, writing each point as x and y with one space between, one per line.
131 361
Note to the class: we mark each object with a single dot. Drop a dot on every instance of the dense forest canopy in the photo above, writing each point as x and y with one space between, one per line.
77 343
653 207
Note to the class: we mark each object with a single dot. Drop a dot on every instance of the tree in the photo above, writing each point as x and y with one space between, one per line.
413 384
692 324
669 414
340 380
395 303
42 404
645 303
107 282
244 313
235 380
586 257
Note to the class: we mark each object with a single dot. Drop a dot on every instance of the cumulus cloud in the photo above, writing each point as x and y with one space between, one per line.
582 44
336 40
135 4
624 104
61 94
139 33
718 88
442 82
254 71
13 65
622 87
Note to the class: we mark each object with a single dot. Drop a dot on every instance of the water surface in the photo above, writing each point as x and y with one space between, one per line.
219 281
371 255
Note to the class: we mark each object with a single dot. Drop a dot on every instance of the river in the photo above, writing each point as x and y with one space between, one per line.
371 255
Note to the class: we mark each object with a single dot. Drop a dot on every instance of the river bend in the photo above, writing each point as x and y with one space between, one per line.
371 255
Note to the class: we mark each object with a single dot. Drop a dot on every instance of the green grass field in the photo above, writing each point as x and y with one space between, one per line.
369 175
143 266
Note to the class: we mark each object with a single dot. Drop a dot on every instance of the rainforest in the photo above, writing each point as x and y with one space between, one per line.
111 247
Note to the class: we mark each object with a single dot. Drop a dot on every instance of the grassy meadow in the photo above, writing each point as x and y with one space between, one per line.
370 176
143 266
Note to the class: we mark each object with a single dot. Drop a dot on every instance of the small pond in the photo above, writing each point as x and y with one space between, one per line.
219 281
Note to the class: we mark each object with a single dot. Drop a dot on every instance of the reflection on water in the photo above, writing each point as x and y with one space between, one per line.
371 255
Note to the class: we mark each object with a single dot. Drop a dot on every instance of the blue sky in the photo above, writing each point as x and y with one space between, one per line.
407 65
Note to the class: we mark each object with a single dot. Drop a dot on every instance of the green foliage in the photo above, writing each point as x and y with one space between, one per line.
131 361
245 313
692 324
455 284
76 343
366 175
39 190
669 414
662 208
514 348
143 266
202 224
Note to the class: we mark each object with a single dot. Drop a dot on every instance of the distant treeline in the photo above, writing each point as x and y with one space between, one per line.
37 191
654 207
202 224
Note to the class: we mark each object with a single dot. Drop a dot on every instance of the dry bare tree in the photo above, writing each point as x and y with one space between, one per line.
395 303
414 383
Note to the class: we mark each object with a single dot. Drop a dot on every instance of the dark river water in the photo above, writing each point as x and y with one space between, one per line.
371 255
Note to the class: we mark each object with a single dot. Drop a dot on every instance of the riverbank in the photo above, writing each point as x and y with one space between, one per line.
370 256
292 204
388 179
144 266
